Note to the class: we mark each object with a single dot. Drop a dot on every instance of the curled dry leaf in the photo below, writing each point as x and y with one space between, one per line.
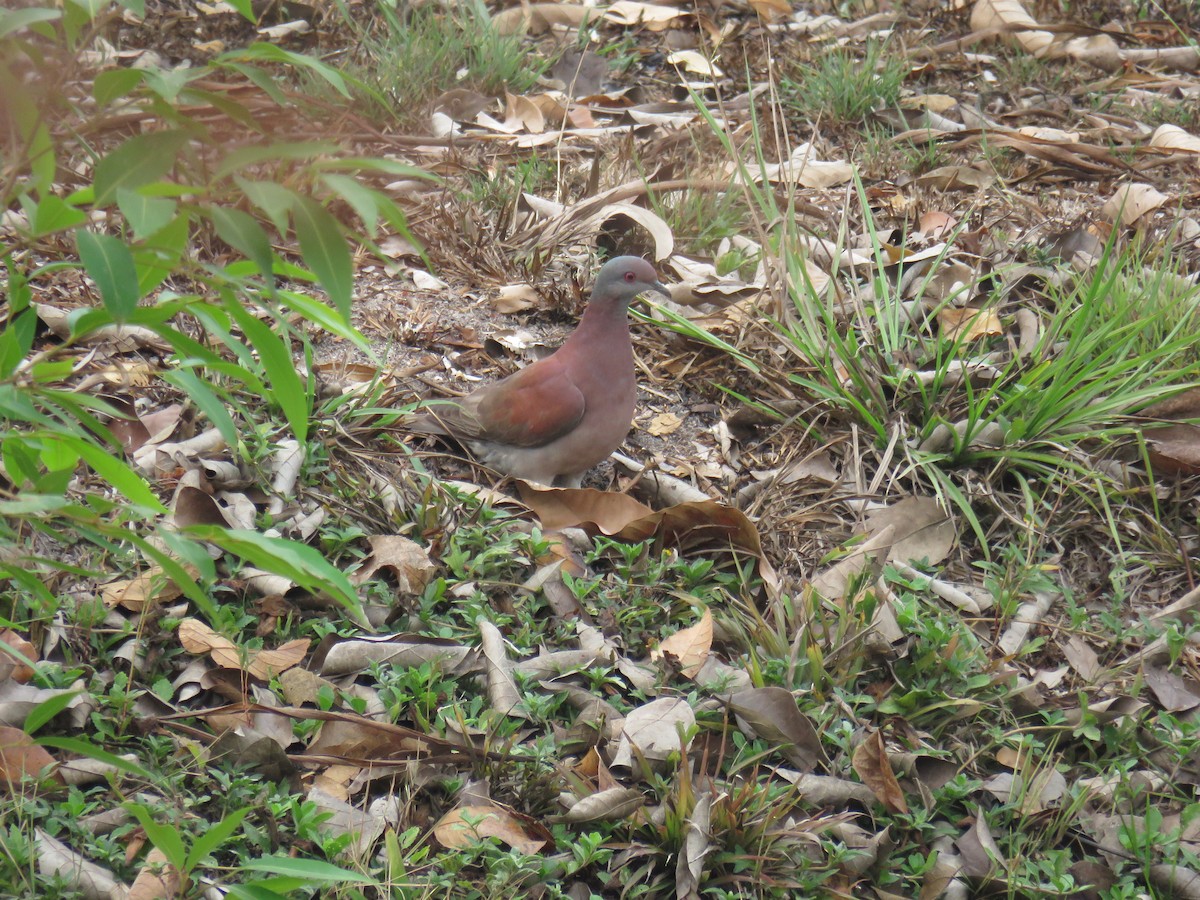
538 18
771 714
197 637
685 525
609 805
1015 23
694 61
466 826
663 424
1131 202
156 879
16 663
514 298
1172 137
23 759
969 324
654 731
690 646
921 529
402 558
871 762
654 16
153 587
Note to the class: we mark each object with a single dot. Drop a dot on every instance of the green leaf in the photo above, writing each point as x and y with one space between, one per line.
302 564
137 7
146 215
47 709
17 337
325 252
83 747
52 214
311 870
165 837
271 53
113 84
112 470
273 199
158 256
206 401
42 163
246 8
241 231
260 153
326 319
364 200
214 836
140 160
12 21
275 355
258 890
110 264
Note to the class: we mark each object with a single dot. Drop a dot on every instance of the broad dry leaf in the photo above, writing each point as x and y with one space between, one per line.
538 18
467 826
1011 14
17 661
968 324
198 638
957 178
870 761
921 530
23 759
406 561
152 587
156 879
1131 202
654 731
771 713
690 646
515 298
609 805
770 10
664 424
696 62
1172 137
697 842
654 16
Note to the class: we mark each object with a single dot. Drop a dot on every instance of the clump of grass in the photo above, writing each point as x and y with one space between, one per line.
842 87
426 51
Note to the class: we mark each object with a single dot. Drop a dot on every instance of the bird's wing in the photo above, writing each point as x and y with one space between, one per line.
530 408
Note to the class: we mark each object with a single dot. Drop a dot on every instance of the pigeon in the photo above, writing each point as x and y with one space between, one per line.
558 417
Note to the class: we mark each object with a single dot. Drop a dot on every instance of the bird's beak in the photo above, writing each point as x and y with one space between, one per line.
659 288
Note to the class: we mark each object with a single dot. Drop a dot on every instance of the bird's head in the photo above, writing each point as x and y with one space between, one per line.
622 279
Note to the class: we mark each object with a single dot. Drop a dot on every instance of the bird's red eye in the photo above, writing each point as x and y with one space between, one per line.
630 277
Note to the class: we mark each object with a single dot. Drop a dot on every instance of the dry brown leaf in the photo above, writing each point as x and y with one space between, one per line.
1011 14
610 805
403 558
663 424
685 525
515 298
654 16
969 324
466 826
770 10
922 530
198 638
957 178
1172 137
870 761
538 18
771 714
22 759
156 879
1131 202
655 731
695 62
690 646
12 666
152 587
